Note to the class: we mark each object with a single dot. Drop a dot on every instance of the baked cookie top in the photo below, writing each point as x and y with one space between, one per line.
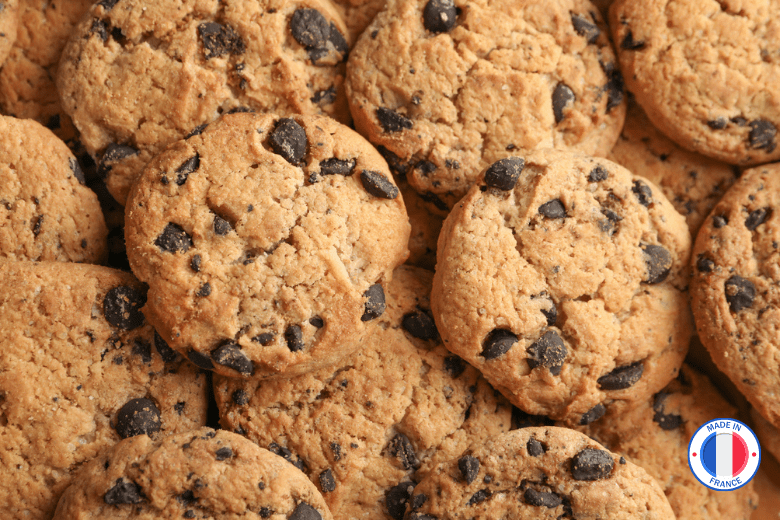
9 19
265 241
449 87
203 473
534 473
46 212
79 370
138 75
367 430
707 72
560 277
734 289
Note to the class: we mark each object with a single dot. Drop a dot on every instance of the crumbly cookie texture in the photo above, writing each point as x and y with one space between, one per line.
265 242
9 19
366 431
693 183
426 227
357 14
707 72
138 75
561 278
203 473
532 473
46 212
768 435
79 371
448 88
655 436
734 289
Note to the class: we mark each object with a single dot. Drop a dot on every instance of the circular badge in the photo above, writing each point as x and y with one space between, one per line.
724 454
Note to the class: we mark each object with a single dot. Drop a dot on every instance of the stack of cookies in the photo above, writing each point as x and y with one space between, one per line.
401 259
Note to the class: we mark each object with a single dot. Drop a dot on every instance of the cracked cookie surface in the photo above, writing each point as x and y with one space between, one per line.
366 431
79 371
560 277
265 242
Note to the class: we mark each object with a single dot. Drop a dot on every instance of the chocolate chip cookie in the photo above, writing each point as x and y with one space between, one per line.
9 18
449 87
560 277
734 289
46 212
265 242
79 370
138 75
536 473
367 430
198 474
706 72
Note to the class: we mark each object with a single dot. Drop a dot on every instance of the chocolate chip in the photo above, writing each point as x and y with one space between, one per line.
241 110
592 464
392 121
643 193
549 500
99 28
174 238
704 264
598 174
548 351
197 130
740 293
113 154
739 120
305 512
665 421
658 261
562 97
142 349
757 217
718 221
420 325
498 343
320 37
167 354
221 226
396 499
187 167
230 355
762 135
324 97
265 339
327 482
630 44
454 366
377 185
478 497
375 302
287 455
294 338
594 414
439 15
718 124
316 321
289 140
418 500
219 40
266 512
200 360
622 377
551 314
615 87
76 169
585 27
123 492
204 291
553 209
37 226
107 4
401 448
122 307
138 417
534 447
335 166
469 468
504 174
223 453
195 263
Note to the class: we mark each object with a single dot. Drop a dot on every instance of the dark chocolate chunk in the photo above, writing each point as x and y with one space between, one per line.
316 321
173 238
541 498
265 338
401 448
630 44
667 422
122 307
420 324
138 417
99 28
396 499
585 28
615 88
75 167
221 226
757 217
718 123
425 167
469 468
594 414
240 397
142 349
204 291
548 351
622 377
704 264
562 97
739 120
266 512
740 293
375 302
762 135
478 497
312 30
336 449
598 174
553 209
287 455
718 221
454 366
37 226
304 511
187 167
439 16
335 166
658 261
241 110
293 335
497 343
223 453
377 185
289 140
592 464
327 482
200 360
113 154
107 4
195 263
418 501
123 492
534 447
504 174
230 355
643 193
219 40
392 121
551 314
167 354
324 97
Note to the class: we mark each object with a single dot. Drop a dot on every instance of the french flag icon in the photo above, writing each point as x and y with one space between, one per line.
724 454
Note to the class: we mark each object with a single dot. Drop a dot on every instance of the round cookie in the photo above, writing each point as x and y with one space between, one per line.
655 436
536 473
265 241
769 436
46 212
9 18
448 88
561 278
734 288
706 72
367 430
79 371
426 227
199 474
692 183
138 75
